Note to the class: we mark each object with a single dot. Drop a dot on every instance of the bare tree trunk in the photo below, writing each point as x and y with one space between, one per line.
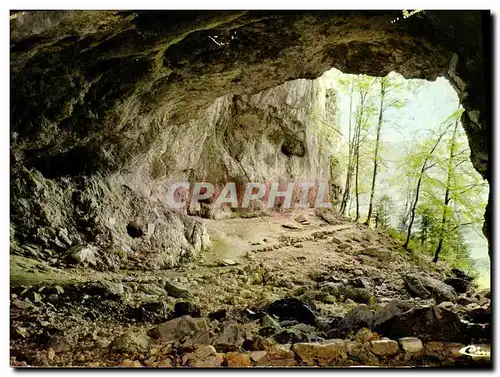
375 157
357 182
447 198
406 213
357 140
347 187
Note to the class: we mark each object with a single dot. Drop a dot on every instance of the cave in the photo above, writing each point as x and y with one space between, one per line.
109 109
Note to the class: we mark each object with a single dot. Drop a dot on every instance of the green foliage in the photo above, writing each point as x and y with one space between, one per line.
448 181
451 194
383 211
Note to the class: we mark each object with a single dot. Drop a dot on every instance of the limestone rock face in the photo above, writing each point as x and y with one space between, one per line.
276 136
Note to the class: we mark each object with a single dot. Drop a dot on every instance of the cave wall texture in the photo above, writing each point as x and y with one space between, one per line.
96 95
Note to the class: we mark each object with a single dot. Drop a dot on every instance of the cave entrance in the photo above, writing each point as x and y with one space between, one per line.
405 165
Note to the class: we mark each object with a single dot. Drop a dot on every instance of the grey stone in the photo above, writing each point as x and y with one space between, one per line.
427 287
129 343
82 254
177 329
391 309
384 347
411 344
360 316
176 290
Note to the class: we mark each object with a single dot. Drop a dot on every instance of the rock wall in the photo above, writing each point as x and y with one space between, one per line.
278 135
237 139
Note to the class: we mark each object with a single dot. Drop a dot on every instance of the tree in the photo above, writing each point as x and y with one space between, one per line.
383 213
426 165
447 198
383 82
426 224
364 112
394 91
405 215
350 167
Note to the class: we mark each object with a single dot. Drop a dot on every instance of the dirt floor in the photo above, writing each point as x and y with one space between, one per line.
82 317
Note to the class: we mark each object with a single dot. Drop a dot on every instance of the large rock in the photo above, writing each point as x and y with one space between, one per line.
203 357
178 328
391 309
427 287
384 348
460 285
153 312
130 343
82 254
358 317
321 354
292 309
427 323
176 290
411 344
231 338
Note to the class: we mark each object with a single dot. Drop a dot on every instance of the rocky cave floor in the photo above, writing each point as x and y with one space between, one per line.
308 289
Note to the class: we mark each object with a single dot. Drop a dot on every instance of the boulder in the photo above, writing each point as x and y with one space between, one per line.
411 344
292 309
238 360
278 355
360 316
426 322
360 295
460 285
427 287
363 335
479 315
231 338
268 321
176 290
203 357
186 308
334 289
321 354
391 309
153 312
130 343
384 347
218 315
82 254
373 251
106 289
177 329
359 282
290 336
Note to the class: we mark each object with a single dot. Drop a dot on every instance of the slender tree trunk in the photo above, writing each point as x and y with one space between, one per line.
347 187
446 194
414 206
417 192
375 157
406 214
359 121
357 183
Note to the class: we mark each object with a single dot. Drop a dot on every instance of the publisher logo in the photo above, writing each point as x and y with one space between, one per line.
477 351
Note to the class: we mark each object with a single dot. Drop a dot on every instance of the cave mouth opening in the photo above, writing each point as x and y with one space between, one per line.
394 134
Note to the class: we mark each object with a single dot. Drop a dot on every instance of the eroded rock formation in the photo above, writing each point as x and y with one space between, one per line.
277 135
